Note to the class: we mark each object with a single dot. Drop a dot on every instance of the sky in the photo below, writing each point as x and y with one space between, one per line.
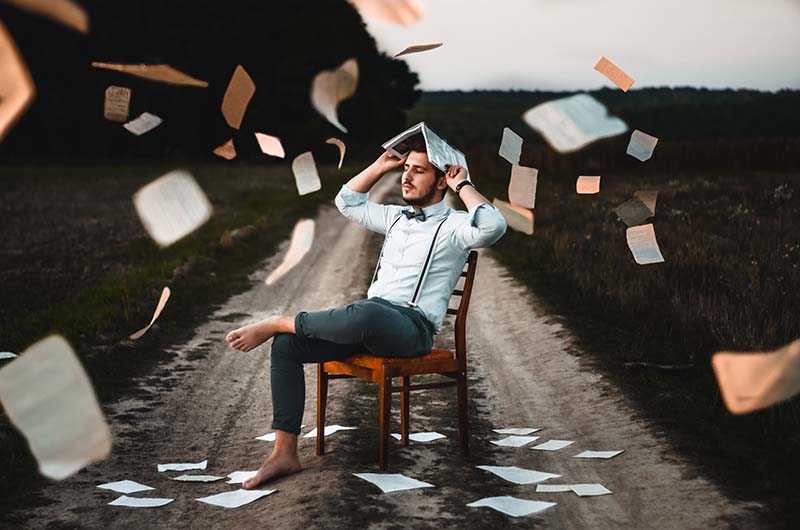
554 44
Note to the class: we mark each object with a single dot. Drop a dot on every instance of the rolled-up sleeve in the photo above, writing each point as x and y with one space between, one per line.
484 227
355 206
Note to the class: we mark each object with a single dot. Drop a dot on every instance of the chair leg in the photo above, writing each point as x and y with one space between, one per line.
405 397
463 412
386 407
322 402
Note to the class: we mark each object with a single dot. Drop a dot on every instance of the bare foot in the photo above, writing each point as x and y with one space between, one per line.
248 337
277 465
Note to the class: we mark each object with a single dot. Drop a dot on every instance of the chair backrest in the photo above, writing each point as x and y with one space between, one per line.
463 306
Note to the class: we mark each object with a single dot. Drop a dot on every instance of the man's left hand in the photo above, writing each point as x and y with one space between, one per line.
455 175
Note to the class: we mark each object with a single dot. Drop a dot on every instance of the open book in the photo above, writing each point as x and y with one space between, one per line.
440 153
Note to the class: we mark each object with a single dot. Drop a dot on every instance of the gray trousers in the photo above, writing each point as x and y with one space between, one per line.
368 326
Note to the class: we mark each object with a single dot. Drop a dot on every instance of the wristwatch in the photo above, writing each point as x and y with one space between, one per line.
462 184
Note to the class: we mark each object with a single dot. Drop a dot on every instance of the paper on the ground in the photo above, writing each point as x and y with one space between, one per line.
590 490
342 148
198 478
393 482
512 506
125 486
522 187
329 430
140 502
330 87
553 488
641 145
571 123
16 85
440 153
515 441
553 445
270 436
587 185
270 145
235 499
182 467
66 12
300 244
144 123
171 207
511 146
643 244
237 96
518 475
614 73
519 431
598 454
402 12
226 150
520 219
418 48
305 174
420 436
46 394
163 73
7 355
633 212
238 477
756 380
648 198
117 103
161 304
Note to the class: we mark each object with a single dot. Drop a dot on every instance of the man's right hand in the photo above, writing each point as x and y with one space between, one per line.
387 162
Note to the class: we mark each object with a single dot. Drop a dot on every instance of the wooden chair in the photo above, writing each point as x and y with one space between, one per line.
382 370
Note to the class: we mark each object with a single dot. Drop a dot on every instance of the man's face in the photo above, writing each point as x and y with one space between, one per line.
419 182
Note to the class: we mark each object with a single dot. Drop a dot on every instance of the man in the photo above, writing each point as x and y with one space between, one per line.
424 252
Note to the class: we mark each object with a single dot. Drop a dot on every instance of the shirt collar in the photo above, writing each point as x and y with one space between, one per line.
434 210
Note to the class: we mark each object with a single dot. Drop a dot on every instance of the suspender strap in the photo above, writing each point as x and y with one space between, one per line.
380 256
422 273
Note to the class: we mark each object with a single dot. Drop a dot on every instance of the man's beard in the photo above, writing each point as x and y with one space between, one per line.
425 199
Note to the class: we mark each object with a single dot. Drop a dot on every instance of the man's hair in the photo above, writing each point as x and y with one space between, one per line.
417 143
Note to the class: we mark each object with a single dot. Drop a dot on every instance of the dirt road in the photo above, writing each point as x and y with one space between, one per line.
211 402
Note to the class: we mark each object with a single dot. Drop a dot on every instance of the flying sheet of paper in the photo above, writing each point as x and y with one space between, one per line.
520 219
198 478
329 430
648 198
226 150
571 123
587 185
238 477
305 174
182 467
146 122
270 436
300 244
598 454
590 490
117 103
643 244
162 73
342 148
237 97
553 488
16 85
420 436
270 145
511 146
330 87
512 506
641 145
756 380
614 74
138 502
553 445
125 486
65 12
519 431
161 304
418 48
7 355
515 441
633 212
518 475
522 187
235 499
393 482
401 12
48 397
171 207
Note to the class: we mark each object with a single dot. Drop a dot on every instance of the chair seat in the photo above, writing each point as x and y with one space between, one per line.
373 362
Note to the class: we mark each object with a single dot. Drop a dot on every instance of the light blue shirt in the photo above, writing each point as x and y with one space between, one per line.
409 241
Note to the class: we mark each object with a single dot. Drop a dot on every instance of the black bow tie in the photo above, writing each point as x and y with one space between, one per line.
420 215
